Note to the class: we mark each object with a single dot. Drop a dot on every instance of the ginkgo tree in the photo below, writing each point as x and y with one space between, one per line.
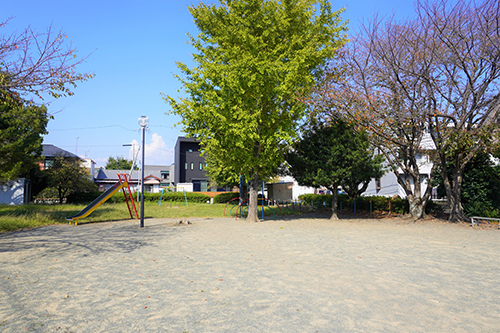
253 61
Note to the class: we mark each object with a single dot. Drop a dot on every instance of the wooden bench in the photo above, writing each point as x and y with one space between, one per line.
474 220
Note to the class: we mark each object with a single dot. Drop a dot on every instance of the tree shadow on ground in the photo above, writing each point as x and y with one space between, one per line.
89 239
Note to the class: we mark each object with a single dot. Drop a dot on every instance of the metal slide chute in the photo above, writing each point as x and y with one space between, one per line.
122 184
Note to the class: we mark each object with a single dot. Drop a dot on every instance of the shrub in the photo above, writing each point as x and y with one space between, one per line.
167 196
225 197
317 200
379 203
179 197
82 197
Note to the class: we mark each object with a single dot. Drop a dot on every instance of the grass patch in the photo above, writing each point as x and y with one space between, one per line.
30 216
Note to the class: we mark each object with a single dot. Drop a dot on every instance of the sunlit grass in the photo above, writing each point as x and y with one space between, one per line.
30 216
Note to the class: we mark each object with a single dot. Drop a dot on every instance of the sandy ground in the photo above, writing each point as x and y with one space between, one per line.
222 275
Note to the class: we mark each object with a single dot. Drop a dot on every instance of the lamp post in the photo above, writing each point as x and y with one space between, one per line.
144 122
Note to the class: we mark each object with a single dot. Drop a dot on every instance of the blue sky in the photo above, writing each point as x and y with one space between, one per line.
134 46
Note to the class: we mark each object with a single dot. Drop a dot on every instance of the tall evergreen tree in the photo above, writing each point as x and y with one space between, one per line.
332 155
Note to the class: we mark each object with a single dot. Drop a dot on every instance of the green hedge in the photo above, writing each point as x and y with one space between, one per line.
85 198
226 197
362 203
317 200
177 197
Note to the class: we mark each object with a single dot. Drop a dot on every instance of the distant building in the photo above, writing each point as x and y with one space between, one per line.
89 164
50 152
388 185
189 165
15 192
287 190
18 192
156 177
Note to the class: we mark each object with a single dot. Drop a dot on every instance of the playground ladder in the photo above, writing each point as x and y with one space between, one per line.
125 182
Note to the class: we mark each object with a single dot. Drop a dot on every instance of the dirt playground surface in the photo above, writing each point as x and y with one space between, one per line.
222 275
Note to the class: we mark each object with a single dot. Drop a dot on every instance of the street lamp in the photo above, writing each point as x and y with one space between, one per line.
144 122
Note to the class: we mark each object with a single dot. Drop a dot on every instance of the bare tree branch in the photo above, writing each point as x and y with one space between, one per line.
38 63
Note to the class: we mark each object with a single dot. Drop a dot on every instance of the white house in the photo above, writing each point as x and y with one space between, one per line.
388 186
287 189
15 192
89 164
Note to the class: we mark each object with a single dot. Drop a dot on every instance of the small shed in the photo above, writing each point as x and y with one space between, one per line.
280 192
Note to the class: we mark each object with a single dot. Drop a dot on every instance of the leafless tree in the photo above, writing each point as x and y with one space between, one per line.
463 88
36 63
436 74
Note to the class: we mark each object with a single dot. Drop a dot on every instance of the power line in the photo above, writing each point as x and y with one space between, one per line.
94 127
91 146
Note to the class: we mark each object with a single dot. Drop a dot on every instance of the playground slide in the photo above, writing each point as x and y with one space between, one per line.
97 202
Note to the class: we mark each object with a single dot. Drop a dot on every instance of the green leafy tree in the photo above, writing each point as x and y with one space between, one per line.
66 176
21 130
332 155
480 186
38 178
119 163
254 60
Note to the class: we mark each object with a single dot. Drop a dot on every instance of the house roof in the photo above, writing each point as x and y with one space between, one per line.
103 175
51 151
152 180
156 170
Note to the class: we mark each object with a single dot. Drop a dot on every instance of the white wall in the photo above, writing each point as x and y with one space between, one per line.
188 187
296 189
389 187
12 193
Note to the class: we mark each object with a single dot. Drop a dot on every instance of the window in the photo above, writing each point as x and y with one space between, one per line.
196 186
165 175
201 166
185 166
192 166
378 185
49 163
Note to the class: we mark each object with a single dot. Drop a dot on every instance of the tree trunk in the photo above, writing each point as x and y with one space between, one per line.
453 190
252 202
416 201
416 206
334 204
60 196
455 200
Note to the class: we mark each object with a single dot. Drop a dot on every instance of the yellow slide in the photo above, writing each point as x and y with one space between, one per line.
96 203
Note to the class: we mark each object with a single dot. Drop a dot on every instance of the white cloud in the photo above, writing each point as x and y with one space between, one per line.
100 162
157 152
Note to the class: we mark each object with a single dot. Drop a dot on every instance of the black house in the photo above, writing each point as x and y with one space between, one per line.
189 165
